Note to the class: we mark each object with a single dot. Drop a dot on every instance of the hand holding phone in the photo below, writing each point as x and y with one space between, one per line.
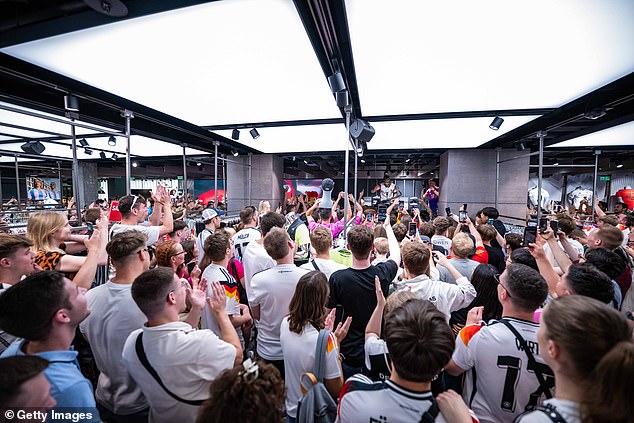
530 236
412 228
462 216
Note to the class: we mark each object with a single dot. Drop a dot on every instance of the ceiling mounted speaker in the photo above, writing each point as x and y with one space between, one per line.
33 147
361 130
114 8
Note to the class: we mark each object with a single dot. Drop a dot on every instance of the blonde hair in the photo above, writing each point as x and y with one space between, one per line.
381 246
461 245
41 229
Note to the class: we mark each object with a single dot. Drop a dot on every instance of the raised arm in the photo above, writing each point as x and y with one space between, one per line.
395 250
373 328
309 212
545 266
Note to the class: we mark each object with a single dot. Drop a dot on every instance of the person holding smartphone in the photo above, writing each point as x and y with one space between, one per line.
431 195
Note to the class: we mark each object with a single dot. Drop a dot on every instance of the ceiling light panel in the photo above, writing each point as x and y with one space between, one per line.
27 121
217 63
620 135
440 133
464 55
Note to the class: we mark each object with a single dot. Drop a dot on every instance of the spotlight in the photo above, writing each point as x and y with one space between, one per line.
619 164
497 122
360 152
135 164
33 147
102 155
594 114
114 156
235 135
361 130
306 162
71 103
336 82
342 98
556 163
199 164
88 151
407 160
234 153
83 142
362 160
520 146
112 141
254 133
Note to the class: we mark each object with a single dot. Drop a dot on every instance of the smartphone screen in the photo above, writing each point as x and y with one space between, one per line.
490 221
370 217
543 224
530 235
412 229
554 225
462 216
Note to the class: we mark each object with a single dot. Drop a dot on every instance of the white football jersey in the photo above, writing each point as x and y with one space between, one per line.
500 384
242 239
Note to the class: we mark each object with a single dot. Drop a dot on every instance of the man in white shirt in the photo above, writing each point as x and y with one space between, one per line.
184 359
441 228
114 316
211 217
446 297
218 249
134 211
387 189
321 241
501 383
249 232
16 261
255 258
271 293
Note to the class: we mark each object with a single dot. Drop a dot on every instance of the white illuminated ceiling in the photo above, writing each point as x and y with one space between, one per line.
411 134
415 56
139 146
620 135
216 63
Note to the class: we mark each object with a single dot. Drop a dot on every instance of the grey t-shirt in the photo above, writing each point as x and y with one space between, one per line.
464 266
567 409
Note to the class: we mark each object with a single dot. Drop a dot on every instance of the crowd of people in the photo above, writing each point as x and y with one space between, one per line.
403 315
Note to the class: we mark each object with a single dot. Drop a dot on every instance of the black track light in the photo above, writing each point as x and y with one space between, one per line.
102 155
254 133
112 141
497 122
235 135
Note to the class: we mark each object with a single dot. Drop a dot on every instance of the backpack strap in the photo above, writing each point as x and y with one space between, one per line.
548 409
315 265
320 354
143 359
531 358
431 413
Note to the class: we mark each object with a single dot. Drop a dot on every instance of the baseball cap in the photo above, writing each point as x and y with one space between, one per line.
425 239
209 214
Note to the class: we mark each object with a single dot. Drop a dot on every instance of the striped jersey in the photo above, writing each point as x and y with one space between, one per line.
500 384
214 272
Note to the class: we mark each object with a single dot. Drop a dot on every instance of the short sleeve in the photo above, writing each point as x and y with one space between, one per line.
48 260
333 370
387 271
374 346
481 255
153 233
215 355
255 291
466 341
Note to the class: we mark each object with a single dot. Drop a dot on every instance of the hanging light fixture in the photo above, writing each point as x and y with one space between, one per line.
83 142
102 155
254 133
497 122
234 153
114 156
112 141
235 135
88 151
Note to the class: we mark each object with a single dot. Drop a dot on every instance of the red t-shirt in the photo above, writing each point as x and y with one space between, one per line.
481 255
627 195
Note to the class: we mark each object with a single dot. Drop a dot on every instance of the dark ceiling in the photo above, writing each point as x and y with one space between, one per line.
326 24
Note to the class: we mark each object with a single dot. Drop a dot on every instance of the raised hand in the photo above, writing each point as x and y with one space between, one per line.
342 329
380 298
474 315
330 320
196 294
218 300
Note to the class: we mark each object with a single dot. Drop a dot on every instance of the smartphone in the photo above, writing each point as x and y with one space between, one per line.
412 229
490 221
462 216
464 207
543 224
370 217
554 225
448 211
91 228
530 235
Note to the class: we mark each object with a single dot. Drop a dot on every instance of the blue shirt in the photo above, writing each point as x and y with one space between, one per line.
68 386
38 194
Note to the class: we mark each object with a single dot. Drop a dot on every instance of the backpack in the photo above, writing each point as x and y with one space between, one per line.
317 406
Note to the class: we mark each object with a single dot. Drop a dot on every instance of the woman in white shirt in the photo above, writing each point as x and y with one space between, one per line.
298 335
